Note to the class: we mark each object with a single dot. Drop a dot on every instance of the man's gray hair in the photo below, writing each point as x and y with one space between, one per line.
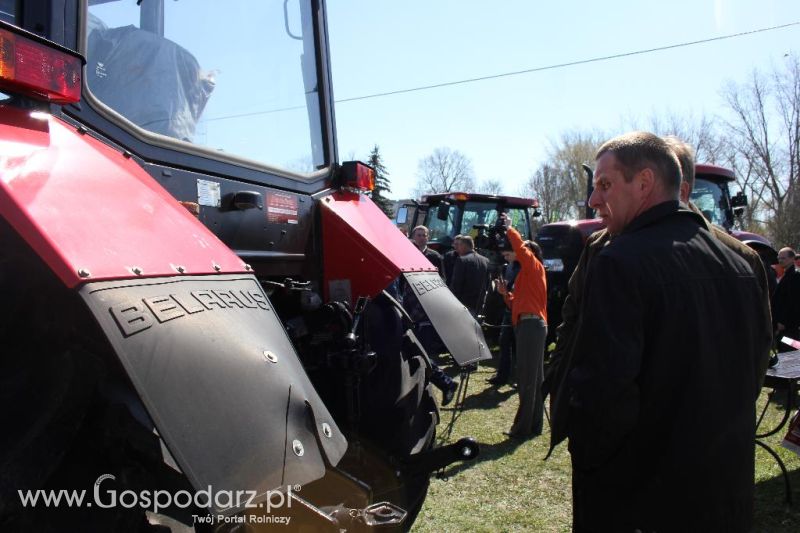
638 150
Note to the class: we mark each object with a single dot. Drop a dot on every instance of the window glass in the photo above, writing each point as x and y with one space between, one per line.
8 9
708 198
236 78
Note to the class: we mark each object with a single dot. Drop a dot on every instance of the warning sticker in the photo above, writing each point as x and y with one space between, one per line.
281 208
208 193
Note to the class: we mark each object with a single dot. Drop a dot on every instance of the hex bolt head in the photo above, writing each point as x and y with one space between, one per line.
136 270
82 272
217 267
247 267
297 448
271 357
180 269
326 430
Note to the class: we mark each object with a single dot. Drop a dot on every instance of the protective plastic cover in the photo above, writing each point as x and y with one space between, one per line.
153 82
453 322
220 379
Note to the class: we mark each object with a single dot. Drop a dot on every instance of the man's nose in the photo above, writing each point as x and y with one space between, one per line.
594 200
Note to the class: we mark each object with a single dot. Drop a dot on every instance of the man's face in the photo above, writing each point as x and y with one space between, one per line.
509 256
785 260
460 247
617 202
420 238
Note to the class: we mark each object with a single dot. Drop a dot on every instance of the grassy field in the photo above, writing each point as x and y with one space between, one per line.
511 488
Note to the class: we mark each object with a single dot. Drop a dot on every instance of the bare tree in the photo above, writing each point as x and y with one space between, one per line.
491 187
560 182
547 184
444 170
765 132
702 133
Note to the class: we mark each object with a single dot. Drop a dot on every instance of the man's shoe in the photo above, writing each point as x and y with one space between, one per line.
449 393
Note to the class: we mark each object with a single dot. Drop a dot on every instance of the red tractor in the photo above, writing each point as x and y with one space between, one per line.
563 242
195 289
449 214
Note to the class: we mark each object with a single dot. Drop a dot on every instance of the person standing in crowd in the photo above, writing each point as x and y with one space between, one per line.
786 300
506 361
560 359
470 275
449 260
528 302
419 236
651 371
423 328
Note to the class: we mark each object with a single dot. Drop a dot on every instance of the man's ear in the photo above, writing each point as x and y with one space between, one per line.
685 191
645 181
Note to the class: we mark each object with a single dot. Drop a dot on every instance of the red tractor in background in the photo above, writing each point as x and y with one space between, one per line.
194 288
562 242
449 214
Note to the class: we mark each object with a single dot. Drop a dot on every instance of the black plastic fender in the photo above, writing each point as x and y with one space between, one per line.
220 379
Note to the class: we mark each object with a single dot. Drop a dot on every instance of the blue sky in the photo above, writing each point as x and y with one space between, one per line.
506 125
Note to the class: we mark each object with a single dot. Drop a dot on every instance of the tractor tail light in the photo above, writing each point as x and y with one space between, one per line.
357 175
38 68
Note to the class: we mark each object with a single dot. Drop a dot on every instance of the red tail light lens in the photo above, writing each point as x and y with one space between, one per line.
357 175
37 70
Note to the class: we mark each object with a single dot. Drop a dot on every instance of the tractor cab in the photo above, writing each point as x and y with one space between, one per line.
449 214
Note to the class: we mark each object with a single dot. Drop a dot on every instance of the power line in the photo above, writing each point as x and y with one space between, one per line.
569 64
525 71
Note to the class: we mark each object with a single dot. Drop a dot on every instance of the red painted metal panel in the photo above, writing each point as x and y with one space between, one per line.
85 207
362 247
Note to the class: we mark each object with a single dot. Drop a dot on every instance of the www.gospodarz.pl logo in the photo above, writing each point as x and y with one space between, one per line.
156 500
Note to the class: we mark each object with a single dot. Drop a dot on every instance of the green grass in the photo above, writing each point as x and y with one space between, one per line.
511 488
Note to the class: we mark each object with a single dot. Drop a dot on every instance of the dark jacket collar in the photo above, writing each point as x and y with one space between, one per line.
659 211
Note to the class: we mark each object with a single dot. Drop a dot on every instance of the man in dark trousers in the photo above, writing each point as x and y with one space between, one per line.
666 362
470 275
506 356
786 300
424 330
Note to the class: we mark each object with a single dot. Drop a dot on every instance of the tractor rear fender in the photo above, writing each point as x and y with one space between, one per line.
192 328
364 252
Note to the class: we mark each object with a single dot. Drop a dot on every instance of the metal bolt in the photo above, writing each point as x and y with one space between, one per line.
297 447
326 430
180 269
82 272
271 357
217 267
247 267
136 270
466 452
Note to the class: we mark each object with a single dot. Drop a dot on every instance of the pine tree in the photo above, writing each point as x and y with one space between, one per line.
381 182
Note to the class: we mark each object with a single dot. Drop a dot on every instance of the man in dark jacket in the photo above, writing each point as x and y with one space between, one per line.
470 275
786 301
424 330
419 236
665 367
562 355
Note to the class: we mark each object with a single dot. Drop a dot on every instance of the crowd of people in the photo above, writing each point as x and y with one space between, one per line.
666 335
